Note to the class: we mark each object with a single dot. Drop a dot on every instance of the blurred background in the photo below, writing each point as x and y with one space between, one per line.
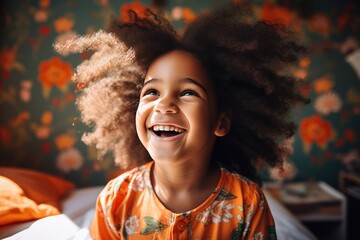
40 127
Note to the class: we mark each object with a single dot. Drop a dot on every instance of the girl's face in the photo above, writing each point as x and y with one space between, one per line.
176 118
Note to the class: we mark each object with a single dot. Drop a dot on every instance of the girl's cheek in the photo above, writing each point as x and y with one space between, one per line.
140 110
138 119
143 111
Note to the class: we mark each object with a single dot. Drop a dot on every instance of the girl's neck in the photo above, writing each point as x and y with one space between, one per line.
182 177
183 187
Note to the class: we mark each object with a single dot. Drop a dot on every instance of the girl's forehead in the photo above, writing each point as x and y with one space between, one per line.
178 64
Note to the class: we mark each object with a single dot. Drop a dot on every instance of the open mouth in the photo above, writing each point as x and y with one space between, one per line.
166 131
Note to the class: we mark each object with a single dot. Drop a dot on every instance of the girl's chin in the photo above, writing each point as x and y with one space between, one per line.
165 155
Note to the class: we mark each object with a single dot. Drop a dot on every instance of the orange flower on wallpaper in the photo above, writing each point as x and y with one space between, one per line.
188 15
277 14
304 62
42 131
8 59
44 3
20 119
135 6
46 118
41 16
316 130
300 74
322 85
64 141
54 72
183 13
63 24
320 23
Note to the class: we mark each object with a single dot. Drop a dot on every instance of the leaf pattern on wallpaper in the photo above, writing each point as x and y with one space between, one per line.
8 61
8 97
353 96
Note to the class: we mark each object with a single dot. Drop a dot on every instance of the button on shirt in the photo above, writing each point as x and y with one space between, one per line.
128 208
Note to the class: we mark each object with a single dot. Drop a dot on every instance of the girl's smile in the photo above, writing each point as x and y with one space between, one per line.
166 132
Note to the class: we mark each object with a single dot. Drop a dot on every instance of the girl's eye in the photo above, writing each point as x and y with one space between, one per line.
190 92
152 92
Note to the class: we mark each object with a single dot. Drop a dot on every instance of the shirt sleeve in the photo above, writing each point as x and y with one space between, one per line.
99 228
259 223
103 226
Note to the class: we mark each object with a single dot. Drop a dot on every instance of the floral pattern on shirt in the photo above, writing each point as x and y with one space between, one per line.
218 212
131 224
128 209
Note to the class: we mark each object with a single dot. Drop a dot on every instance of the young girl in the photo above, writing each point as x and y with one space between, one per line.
196 113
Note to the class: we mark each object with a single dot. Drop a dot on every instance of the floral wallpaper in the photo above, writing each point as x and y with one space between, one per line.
39 124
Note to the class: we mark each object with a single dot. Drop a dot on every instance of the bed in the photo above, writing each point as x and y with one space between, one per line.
77 209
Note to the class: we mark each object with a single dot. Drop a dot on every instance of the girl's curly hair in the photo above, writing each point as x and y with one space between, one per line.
245 59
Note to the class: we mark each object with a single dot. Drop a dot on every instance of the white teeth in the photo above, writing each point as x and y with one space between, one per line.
167 128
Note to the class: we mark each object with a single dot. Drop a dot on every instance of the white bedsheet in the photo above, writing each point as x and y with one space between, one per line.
58 227
78 210
81 203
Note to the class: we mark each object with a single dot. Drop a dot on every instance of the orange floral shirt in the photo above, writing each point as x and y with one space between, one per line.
128 208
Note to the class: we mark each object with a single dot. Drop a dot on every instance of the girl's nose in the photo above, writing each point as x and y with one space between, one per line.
166 106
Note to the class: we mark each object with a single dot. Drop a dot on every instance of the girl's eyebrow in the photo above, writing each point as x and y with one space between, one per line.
190 80
184 80
151 80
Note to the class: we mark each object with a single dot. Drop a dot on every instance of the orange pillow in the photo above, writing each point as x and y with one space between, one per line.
29 194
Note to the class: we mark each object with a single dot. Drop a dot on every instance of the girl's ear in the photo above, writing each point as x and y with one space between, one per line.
223 124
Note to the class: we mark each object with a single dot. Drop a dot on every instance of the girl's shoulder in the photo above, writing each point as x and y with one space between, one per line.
241 185
133 180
